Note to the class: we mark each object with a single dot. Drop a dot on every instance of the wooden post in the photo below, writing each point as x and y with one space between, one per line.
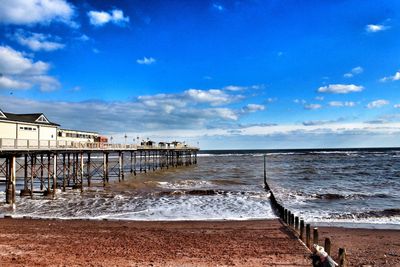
33 171
131 161
285 215
48 173
302 230
327 245
81 170
292 220
89 176
296 224
308 237
41 172
265 173
315 235
11 180
64 173
120 166
69 168
342 257
134 163
105 168
54 174
25 191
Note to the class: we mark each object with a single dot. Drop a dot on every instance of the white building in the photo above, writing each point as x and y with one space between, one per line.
77 136
27 127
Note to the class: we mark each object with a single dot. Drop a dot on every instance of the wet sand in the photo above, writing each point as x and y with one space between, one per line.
25 242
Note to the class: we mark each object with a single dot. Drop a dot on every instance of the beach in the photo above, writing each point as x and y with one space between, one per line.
29 242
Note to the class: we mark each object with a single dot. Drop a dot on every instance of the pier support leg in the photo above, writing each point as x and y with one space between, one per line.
121 166
89 176
55 156
25 191
11 180
48 174
81 171
41 172
64 173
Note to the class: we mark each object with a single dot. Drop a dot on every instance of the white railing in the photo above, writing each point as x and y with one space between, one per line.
23 144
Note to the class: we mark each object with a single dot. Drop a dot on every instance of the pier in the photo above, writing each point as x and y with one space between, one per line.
42 167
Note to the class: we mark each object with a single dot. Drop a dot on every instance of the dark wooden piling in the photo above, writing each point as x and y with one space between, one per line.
315 235
327 245
308 235
296 224
88 170
302 230
64 172
342 257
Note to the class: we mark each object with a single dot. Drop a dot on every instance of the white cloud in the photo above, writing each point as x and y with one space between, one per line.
299 101
100 18
22 72
312 106
9 83
146 61
236 88
396 106
375 27
25 12
214 97
355 71
340 88
83 38
37 41
14 62
319 98
218 6
395 77
253 108
377 103
342 104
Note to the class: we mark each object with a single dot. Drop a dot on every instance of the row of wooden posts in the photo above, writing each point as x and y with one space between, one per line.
298 226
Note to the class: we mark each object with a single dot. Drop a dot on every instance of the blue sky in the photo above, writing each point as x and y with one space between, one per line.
221 74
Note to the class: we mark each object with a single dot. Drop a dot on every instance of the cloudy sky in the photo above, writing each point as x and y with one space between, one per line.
221 74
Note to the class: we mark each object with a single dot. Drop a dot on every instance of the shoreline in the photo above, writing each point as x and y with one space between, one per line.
175 243
334 224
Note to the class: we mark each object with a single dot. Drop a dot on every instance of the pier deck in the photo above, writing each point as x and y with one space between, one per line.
27 168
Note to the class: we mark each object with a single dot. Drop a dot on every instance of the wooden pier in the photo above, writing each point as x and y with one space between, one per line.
45 168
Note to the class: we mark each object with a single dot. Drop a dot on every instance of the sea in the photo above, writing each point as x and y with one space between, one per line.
335 187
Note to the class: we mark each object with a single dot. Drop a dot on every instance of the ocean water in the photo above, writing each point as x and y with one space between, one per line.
357 187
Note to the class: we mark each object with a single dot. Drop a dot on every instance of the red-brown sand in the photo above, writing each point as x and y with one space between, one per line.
111 243
365 247
25 242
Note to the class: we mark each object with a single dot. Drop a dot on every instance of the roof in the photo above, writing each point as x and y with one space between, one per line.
37 118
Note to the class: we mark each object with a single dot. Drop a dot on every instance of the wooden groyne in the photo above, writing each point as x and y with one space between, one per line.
45 169
299 227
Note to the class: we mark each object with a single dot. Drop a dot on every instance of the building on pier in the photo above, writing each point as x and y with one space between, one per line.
33 126
36 127
77 136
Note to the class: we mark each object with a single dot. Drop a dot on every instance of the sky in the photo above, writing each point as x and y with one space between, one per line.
246 74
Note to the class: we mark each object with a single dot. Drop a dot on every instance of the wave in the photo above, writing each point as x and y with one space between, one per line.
333 196
370 214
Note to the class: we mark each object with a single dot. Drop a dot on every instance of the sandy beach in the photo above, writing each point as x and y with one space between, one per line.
26 242
365 247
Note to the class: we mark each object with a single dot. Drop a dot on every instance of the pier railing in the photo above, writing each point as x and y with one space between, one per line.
32 144
299 227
